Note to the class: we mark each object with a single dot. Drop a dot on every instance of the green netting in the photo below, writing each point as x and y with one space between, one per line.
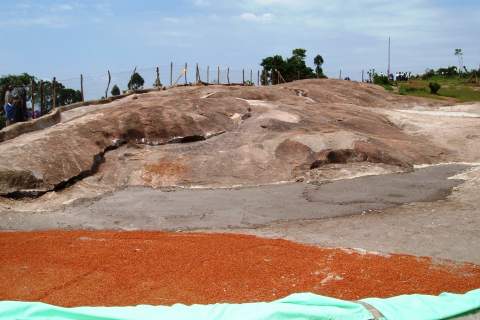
297 306
423 307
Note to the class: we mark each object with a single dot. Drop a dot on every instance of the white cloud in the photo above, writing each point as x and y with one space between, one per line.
252 17
57 14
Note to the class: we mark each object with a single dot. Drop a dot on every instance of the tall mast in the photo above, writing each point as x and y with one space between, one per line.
389 52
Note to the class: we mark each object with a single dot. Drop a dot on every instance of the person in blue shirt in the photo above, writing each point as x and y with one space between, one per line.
9 108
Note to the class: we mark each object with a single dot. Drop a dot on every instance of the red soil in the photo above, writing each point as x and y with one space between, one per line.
129 268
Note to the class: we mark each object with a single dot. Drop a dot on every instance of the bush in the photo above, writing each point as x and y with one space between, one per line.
115 91
136 82
434 87
381 80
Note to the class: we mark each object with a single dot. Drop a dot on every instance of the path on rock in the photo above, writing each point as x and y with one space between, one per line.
150 209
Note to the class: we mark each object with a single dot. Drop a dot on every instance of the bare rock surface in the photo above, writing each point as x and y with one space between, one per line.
213 137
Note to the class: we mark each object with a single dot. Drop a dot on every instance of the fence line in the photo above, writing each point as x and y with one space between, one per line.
93 86
98 85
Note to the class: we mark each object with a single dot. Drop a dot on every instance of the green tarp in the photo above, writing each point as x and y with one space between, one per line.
297 306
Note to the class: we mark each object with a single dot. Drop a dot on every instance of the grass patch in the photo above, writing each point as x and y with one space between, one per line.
387 87
455 88
462 93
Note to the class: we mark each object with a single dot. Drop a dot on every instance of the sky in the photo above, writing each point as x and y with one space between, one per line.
67 37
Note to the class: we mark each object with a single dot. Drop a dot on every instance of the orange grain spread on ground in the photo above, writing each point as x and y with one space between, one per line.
128 268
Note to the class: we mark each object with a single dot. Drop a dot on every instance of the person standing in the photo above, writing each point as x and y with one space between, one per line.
9 109
20 103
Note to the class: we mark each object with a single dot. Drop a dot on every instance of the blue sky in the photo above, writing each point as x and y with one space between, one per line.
69 37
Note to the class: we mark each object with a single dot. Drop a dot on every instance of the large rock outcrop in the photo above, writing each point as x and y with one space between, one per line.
213 137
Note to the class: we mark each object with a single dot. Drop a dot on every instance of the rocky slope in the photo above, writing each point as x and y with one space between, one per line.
213 136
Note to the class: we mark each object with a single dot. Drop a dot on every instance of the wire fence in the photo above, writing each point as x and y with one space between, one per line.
97 86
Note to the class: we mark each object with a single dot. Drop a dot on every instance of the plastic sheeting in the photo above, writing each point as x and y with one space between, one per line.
297 306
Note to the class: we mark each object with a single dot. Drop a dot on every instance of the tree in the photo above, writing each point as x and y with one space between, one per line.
318 61
115 90
271 65
293 68
136 81
68 96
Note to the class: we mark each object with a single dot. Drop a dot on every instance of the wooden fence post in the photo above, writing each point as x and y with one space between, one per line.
197 75
218 75
42 99
108 85
171 74
158 83
54 93
186 70
33 98
81 88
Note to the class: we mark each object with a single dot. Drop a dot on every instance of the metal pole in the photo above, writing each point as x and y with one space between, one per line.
208 74
389 52
218 75
171 74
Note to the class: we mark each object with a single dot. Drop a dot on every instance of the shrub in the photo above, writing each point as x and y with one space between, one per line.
136 82
381 80
115 91
434 87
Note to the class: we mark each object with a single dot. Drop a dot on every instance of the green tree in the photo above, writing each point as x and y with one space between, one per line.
136 81
271 65
318 61
115 90
291 69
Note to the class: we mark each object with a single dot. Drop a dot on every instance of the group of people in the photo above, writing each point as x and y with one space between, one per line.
403 76
15 107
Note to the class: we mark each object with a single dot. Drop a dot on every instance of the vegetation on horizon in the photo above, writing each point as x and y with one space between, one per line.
290 69
444 83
